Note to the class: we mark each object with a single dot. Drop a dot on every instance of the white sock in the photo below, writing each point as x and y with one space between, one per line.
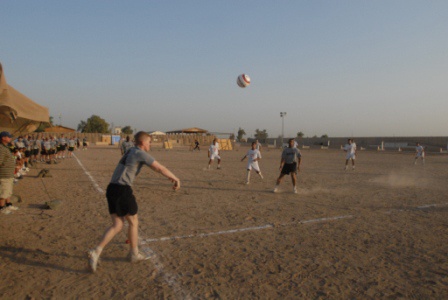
134 251
98 250
248 176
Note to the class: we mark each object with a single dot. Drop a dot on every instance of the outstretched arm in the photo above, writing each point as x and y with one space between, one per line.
244 157
159 168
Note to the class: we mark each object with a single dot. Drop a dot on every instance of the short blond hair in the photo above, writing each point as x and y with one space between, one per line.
140 137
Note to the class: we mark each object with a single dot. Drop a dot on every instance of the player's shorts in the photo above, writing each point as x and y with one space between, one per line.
43 152
27 153
213 156
289 168
62 147
84 144
121 200
51 151
350 156
422 155
253 165
6 185
35 151
58 148
71 149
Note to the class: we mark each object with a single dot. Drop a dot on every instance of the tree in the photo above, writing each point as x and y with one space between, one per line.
94 124
42 126
324 136
232 137
300 134
127 130
261 135
314 136
241 133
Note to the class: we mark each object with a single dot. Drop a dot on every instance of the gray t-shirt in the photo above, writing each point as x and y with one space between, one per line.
129 166
126 146
291 155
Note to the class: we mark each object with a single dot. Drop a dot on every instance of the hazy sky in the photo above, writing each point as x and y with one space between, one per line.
342 68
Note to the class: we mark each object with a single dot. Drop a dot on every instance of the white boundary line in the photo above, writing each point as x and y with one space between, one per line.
169 278
267 226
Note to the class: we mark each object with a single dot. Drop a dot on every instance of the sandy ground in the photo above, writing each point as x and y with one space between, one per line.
379 232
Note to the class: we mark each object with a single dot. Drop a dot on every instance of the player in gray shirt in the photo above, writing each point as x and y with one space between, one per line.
289 164
126 145
121 200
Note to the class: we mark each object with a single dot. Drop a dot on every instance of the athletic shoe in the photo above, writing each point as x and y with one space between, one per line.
345 169
275 190
295 190
11 207
247 182
139 257
353 168
93 259
5 211
219 167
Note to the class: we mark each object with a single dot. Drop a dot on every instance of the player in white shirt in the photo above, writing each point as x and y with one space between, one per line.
213 152
419 153
350 148
254 156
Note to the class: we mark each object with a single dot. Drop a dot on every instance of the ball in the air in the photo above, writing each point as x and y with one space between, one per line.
243 80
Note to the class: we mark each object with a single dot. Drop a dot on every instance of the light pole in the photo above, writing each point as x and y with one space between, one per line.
282 115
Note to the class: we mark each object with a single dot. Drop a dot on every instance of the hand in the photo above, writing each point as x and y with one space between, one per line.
176 185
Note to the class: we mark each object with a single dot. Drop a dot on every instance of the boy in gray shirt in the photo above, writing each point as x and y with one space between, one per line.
121 200
289 164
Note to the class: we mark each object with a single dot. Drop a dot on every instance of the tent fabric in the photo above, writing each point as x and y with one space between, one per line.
18 113
189 130
157 133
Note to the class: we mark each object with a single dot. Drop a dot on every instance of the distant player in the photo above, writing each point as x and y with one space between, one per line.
254 157
196 145
350 148
71 146
126 145
121 200
419 153
258 145
289 164
213 152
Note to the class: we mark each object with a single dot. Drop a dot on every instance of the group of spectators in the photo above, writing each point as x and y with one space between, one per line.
17 155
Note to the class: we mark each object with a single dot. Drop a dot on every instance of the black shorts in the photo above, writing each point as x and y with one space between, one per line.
51 151
121 200
62 147
27 153
43 152
35 151
71 149
288 168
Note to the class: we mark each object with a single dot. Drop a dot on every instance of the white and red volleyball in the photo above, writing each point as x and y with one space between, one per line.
243 80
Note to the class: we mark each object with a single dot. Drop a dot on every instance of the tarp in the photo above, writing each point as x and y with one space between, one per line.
18 113
189 130
157 133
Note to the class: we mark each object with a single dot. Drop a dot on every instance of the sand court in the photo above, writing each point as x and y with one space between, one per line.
377 232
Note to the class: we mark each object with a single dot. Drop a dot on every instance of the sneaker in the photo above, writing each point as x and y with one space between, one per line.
219 167
139 257
5 211
247 182
345 169
295 190
93 259
353 168
11 207
275 190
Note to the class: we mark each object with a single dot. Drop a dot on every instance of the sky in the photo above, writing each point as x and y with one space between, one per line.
341 68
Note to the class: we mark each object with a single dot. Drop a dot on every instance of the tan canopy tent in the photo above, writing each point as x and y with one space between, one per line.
18 113
189 130
157 133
